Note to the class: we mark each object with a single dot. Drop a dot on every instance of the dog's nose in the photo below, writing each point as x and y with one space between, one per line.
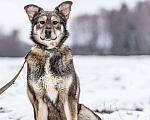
47 32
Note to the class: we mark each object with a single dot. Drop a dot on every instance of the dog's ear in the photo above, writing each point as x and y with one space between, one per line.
64 8
32 10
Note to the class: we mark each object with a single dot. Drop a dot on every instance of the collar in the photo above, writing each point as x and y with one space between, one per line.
47 49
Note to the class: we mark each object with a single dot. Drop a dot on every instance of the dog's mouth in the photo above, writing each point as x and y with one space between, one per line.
48 38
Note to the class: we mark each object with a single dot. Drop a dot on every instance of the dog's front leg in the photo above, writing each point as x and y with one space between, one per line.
41 110
70 107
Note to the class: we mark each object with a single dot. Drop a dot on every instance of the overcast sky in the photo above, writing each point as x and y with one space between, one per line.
12 14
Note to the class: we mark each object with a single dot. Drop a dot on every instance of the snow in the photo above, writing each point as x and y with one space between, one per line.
117 84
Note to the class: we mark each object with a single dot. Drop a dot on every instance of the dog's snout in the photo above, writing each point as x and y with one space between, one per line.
47 32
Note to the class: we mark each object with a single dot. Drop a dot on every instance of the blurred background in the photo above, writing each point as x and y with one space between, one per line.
118 85
97 27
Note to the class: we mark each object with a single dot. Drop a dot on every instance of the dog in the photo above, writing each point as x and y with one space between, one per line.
52 83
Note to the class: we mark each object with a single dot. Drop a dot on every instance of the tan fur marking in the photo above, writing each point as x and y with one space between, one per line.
74 110
43 18
78 91
30 96
42 110
67 110
52 44
30 18
53 18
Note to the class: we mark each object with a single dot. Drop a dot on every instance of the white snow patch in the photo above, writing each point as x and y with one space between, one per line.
119 84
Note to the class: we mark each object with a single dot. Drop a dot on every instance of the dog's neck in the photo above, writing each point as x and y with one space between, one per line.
53 49
41 54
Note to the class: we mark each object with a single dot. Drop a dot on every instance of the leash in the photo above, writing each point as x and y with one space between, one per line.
5 87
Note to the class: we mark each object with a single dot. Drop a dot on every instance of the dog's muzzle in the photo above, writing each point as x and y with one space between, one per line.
48 36
47 33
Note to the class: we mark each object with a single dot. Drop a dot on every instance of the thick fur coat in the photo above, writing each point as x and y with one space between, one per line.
53 85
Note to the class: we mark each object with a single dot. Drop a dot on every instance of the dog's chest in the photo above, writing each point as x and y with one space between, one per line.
52 84
42 74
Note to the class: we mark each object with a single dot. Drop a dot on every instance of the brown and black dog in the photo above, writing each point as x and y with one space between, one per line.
53 85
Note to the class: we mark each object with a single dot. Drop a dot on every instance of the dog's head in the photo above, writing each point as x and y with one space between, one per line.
49 27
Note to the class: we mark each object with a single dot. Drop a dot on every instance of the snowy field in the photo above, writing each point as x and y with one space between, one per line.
116 85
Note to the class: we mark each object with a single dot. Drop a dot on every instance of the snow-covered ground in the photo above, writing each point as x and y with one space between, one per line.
120 85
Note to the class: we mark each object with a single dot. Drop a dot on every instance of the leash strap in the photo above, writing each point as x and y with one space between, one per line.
5 87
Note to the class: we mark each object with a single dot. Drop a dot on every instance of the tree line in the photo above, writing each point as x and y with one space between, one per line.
11 46
107 32
115 32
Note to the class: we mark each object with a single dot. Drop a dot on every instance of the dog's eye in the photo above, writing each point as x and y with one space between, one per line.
42 22
55 22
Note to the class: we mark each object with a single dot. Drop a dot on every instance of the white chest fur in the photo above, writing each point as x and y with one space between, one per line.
49 83
54 84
